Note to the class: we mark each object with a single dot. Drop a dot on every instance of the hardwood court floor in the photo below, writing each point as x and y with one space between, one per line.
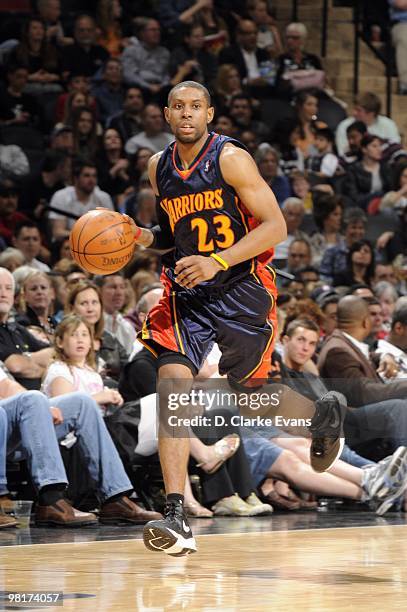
350 568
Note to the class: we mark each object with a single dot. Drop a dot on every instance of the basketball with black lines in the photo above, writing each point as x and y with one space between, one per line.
102 241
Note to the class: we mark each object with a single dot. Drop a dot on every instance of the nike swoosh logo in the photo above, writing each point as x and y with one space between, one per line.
186 527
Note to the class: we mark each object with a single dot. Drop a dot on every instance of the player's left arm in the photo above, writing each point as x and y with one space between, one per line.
240 171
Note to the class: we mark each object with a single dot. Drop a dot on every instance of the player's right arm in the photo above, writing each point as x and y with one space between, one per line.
159 237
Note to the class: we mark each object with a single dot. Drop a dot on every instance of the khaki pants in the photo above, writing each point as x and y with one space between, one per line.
399 36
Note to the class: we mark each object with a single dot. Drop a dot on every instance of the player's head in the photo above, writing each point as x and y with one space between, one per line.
189 111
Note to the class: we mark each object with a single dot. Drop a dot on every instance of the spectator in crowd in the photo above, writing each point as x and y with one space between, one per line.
85 132
27 239
354 134
268 36
334 259
85 55
299 255
396 199
40 58
297 59
252 62
145 61
84 299
14 163
285 137
327 214
267 159
214 26
74 100
50 13
11 259
76 83
113 166
153 136
251 141
190 61
369 177
36 299
328 300
9 215
396 343
62 139
385 272
293 211
227 84
398 17
113 292
324 162
360 262
145 211
38 189
109 13
16 106
78 199
387 295
109 90
128 122
367 109
225 125
242 111
176 13
306 109
377 331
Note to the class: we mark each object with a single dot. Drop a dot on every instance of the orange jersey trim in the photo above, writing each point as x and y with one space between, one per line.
185 174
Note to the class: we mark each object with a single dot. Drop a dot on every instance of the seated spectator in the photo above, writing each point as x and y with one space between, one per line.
145 209
215 29
109 13
109 90
113 292
299 255
113 166
14 163
309 276
62 139
16 106
73 101
324 163
190 61
334 259
396 199
251 141
145 61
27 239
398 17
37 191
268 36
85 56
76 83
85 133
78 199
85 301
306 109
11 259
225 125
242 111
153 136
354 134
360 262
328 300
40 58
285 137
227 85
175 13
50 13
367 109
376 314
396 343
9 216
267 160
369 177
301 188
139 165
385 272
327 214
296 59
36 303
128 122
253 63
387 295
293 211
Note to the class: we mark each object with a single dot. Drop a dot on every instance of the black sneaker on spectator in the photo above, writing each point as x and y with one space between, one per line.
388 477
327 430
172 534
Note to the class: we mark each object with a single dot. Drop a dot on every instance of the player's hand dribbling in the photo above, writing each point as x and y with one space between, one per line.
195 269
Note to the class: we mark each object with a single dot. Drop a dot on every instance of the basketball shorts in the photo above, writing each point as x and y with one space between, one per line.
241 318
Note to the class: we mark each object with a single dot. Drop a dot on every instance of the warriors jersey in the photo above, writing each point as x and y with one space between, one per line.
202 212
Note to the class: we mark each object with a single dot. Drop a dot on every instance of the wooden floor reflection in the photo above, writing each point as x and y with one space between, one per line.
363 568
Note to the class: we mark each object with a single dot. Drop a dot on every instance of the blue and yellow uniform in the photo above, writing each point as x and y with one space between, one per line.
236 309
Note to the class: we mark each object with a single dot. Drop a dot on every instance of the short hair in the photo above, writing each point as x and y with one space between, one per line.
296 323
368 139
292 202
399 315
357 126
383 286
27 223
326 133
241 96
303 241
354 214
190 85
369 102
297 27
80 164
263 149
100 279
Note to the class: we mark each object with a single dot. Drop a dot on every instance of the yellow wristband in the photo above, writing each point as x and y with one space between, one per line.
220 261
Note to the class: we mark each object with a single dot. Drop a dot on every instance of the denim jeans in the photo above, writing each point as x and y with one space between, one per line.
31 436
349 456
382 420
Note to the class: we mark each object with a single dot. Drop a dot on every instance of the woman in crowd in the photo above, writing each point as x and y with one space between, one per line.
84 300
113 166
328 219
369 177
227 84
36 303
108 20
191 60
268 162
268 36
306 109
84 129
397 198
360 264
387 295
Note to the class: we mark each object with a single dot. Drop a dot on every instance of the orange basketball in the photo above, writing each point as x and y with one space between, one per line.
102 241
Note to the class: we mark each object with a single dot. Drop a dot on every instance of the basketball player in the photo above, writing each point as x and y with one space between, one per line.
220 220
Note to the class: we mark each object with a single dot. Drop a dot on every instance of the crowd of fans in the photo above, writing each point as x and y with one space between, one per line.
80 116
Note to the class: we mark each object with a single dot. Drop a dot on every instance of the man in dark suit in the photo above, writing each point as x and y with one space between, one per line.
251 61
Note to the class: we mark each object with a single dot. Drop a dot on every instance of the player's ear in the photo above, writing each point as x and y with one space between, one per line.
210 114
167 114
